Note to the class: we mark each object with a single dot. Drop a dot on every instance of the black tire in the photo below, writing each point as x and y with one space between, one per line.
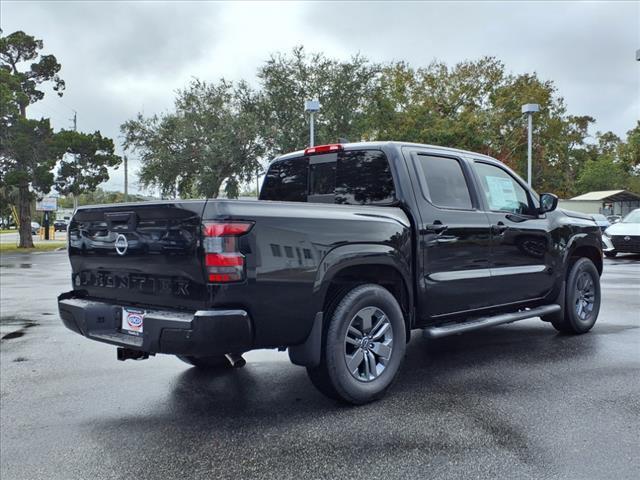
611 254
582 299
381 356
215 362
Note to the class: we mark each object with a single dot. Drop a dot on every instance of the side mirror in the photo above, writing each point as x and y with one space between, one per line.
548 202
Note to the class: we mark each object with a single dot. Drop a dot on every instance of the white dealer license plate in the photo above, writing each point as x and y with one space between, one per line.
132 320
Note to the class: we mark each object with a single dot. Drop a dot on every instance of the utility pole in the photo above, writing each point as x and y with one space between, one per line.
75 158
529 109
126 179
312 107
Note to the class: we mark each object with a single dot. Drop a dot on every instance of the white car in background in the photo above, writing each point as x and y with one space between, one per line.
624 236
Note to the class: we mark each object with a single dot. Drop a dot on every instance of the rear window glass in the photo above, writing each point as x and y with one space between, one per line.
445 181
286 181
351 178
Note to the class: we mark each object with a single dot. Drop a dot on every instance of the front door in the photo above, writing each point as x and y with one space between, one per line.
521 245
454 237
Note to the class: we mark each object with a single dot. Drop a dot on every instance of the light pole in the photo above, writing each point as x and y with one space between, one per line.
529 109
311 107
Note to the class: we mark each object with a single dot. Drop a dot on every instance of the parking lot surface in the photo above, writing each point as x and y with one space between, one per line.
516 401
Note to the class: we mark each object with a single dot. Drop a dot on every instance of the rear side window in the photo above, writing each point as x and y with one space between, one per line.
286 181
445 182
364 177
349 178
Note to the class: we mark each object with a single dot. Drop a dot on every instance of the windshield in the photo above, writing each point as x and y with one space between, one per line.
633 217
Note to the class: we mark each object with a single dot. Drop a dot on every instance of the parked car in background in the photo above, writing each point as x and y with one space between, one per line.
601 220
614 218
60 225
624 236
35 228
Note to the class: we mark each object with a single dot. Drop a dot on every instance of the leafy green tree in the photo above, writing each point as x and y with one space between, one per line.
18 48
212 138
27 153
29 150
84 162
27 156
475 105
602 173
343 89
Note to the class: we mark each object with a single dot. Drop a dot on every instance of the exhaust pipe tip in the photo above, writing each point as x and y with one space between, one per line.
130 354
236 360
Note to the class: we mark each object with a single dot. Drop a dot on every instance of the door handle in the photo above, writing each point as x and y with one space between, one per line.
436 227
499 228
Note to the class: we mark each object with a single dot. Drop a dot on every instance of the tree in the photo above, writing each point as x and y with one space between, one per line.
343 89
475 105
27 153
29 150
212 138
19 47
602 173
27 156
84 162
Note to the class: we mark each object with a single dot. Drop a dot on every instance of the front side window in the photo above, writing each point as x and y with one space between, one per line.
501 191
445 182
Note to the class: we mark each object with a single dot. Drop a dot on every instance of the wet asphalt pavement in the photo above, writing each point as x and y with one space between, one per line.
516 401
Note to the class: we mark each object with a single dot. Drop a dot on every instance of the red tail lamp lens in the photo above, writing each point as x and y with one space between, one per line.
223 260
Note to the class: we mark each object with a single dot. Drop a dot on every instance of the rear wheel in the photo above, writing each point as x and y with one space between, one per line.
363 346
582 299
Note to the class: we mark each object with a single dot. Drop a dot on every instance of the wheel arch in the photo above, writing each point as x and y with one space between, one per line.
341 270
365 263
585 250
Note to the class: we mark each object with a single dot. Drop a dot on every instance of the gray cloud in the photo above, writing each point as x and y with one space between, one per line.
120 58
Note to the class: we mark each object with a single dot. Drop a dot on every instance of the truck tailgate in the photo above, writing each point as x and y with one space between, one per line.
140 254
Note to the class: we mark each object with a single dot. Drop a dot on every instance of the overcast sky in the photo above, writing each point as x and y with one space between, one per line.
120 58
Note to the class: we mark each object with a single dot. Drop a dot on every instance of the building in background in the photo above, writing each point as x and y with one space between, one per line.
607 202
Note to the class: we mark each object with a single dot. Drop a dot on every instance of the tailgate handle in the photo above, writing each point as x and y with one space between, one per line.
121 221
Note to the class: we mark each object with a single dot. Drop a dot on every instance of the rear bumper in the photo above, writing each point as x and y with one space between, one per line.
205 332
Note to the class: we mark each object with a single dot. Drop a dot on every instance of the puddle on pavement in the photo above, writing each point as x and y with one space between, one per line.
20 359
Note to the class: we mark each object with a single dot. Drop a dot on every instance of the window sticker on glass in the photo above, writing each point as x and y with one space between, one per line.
501 193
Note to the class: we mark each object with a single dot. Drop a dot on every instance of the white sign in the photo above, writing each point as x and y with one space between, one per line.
502 194
47 204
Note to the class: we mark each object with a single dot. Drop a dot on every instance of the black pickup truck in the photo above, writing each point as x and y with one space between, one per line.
350 248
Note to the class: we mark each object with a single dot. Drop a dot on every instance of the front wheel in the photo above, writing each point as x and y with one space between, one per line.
363 346
582 299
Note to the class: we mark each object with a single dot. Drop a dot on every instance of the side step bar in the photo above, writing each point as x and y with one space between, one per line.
483 322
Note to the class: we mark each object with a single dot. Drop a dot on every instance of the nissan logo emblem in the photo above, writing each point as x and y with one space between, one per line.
121 244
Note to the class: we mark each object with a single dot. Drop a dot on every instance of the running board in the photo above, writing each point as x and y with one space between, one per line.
483 322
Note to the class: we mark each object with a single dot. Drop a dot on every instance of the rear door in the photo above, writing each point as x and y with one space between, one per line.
522 256
453 235
146 254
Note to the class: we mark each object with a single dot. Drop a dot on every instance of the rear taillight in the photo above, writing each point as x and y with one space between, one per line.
222 258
